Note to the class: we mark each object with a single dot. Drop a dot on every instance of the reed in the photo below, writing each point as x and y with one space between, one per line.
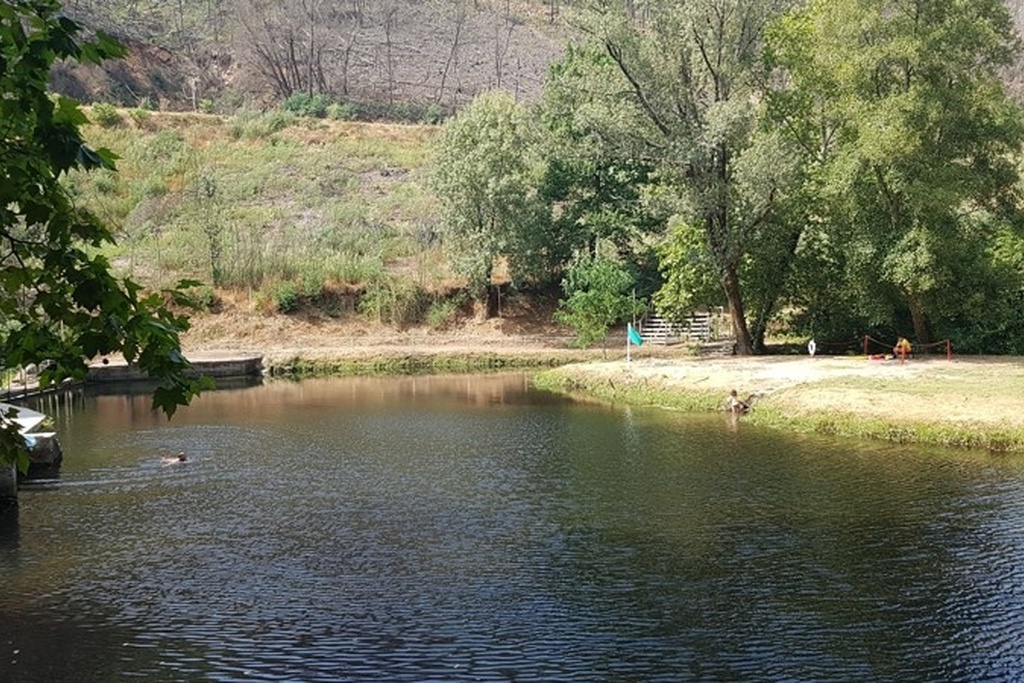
411 364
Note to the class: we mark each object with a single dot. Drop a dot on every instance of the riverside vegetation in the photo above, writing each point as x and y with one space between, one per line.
605 188
291 281
807 195
291 212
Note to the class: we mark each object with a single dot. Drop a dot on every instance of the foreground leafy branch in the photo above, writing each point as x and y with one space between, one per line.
59 302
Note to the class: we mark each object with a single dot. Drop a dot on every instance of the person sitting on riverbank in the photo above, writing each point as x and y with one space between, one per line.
902 349
734 405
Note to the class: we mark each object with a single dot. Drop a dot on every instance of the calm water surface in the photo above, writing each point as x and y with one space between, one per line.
470 528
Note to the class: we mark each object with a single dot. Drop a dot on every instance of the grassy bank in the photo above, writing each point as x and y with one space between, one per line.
414 364
972 403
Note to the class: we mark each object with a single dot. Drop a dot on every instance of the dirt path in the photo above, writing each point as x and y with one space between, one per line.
280 338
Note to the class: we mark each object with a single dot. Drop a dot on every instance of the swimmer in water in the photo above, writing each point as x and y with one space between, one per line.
180 457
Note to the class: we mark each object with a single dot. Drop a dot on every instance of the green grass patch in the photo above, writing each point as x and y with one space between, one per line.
263 197
898 431
626 389
975 380
409 365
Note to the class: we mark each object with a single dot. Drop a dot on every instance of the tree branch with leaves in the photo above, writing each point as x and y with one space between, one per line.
60 304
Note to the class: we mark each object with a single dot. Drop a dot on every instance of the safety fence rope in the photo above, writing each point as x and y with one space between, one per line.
872 346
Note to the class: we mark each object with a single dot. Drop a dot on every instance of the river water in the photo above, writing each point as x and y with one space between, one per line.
474 529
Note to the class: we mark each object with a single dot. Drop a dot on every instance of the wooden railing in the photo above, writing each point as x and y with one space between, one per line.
656 330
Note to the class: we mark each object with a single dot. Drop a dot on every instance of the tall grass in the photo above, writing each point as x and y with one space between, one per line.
260 199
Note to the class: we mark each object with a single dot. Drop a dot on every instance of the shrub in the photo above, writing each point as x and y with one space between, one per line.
105 182
154 187
285 296
394 301
227 102
442 313
342 111
433 115
206 298
598 294
141 117
256 125
304 104
105 115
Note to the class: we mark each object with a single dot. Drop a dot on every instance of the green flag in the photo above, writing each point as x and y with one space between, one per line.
634 336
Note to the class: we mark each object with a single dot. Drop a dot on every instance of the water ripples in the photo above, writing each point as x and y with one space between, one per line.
455 540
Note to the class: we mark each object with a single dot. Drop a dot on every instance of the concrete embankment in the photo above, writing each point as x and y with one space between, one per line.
45 451
216 364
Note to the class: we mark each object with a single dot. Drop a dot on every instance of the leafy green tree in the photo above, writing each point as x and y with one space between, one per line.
598 295
486 173
59 302
689 273
679 86
900 105
600 195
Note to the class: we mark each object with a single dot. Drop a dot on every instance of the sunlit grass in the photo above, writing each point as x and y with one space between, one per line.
261 197
967 404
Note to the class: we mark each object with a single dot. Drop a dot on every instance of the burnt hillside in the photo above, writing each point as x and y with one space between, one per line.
229 52
221 54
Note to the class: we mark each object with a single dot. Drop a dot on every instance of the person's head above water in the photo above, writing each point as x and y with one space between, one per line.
182 457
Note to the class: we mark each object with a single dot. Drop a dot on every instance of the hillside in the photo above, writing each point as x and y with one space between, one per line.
303 214
311 234
254 195
196 54
399 57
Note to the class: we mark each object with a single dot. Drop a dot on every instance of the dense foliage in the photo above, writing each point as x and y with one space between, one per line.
832 168
598 294
826 169
914 148
486 174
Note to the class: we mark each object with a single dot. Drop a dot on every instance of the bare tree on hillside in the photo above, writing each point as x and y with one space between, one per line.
389 20
339 56
390 51
451 63
503 28
287 45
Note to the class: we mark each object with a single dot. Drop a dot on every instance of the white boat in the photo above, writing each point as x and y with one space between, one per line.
45 454
25 418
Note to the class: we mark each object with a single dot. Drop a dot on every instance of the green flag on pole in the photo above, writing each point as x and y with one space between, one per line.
634 336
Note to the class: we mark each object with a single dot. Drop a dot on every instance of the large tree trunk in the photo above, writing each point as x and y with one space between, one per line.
772 289
731 283
724 251
922 328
